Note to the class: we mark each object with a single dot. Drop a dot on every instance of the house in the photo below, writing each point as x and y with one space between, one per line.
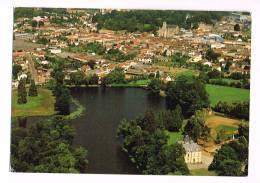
193 151
55 50
22 76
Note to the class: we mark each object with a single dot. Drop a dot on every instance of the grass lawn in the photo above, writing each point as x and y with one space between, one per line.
42 105
228 94
174 137
176 71
202 172
227 128
138 83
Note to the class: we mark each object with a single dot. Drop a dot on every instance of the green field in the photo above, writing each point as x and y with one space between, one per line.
202 172
138 83
226 94
174 137
227 128
42 105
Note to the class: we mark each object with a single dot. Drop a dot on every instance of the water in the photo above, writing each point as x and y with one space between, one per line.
96 128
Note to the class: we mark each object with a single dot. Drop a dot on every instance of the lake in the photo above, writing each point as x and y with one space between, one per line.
96 128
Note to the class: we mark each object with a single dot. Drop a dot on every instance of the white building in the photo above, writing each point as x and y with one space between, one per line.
193 151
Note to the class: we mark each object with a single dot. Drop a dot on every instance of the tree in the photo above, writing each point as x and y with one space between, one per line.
203 77
34 23
175 159
93 80
189 93
46 146
230 168
214 74
116 76
155 85
224 153
231 157
149 122
196 127
243 130
77 78
211 55
220 136
63 101
236 27
80 155
33 89
16 69
172 119
91 64
146 144
22 93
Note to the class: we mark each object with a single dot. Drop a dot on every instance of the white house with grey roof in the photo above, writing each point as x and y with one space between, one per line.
193 151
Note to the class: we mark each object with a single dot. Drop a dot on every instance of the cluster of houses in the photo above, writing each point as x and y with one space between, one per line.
170 39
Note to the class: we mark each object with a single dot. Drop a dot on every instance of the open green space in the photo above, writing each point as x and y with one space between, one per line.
227 128
226 94
217 123
138 83
42 105
202 172
174 137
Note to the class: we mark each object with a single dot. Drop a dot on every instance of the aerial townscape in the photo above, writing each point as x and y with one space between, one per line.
116 91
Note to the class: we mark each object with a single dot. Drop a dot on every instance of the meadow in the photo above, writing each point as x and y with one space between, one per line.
226 94
41 105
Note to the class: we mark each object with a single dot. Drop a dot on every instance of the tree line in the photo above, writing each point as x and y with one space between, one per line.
145 142
238 110
151 20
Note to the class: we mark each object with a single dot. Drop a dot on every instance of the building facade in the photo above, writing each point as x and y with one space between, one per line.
168 31
193 151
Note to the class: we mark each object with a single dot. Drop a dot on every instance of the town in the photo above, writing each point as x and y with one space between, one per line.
114 49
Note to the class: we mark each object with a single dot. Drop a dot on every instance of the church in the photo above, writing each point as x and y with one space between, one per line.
193 151
168 31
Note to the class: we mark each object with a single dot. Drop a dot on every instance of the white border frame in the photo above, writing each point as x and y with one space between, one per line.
6 20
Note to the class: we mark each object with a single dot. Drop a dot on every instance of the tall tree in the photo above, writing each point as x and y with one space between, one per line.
33 89
189 93
63 101
22 93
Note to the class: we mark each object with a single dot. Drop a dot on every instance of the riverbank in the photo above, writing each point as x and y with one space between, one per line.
42 105
77 112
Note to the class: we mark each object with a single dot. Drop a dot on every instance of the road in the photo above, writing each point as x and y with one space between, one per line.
32 69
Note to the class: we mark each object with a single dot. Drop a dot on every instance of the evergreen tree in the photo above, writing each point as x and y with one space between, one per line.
33 89
62 103
22 93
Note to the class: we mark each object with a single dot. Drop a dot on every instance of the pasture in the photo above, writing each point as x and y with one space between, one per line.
226 94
